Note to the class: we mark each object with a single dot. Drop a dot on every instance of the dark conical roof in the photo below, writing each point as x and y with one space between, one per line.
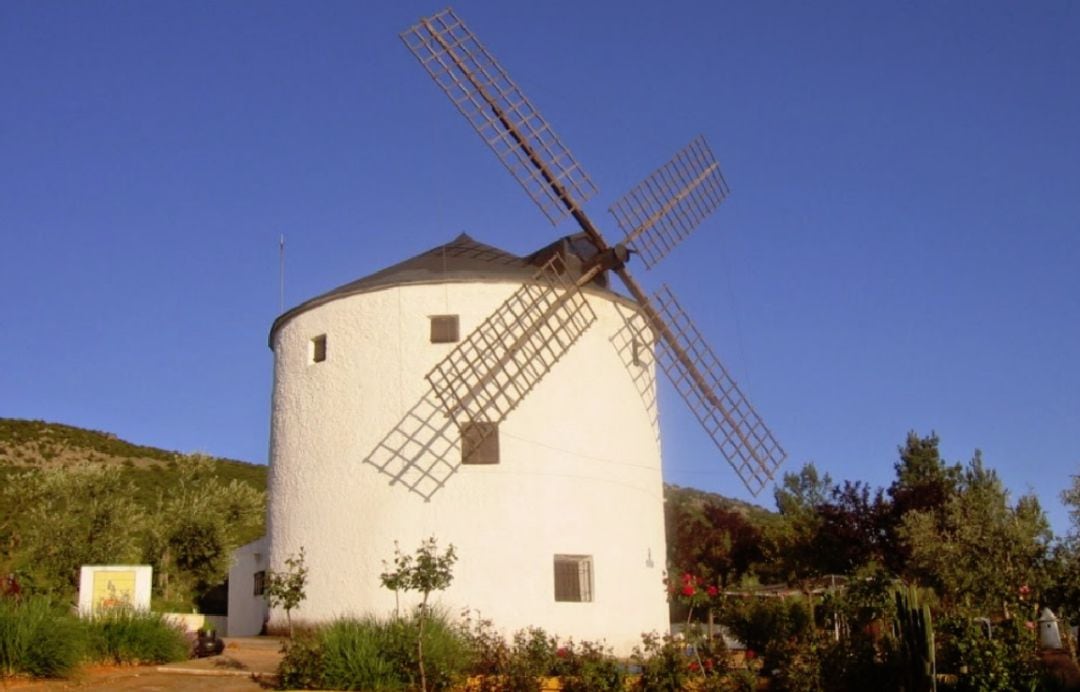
462 259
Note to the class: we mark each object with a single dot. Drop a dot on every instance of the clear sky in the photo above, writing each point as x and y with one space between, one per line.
901 249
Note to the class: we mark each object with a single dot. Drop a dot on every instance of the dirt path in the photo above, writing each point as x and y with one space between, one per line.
246 665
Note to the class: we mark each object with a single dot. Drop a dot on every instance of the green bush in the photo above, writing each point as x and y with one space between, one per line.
38 639
532 656
301 667
372 654
663 663
124 636
589 667
760 622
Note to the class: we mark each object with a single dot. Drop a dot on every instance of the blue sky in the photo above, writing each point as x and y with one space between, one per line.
901 250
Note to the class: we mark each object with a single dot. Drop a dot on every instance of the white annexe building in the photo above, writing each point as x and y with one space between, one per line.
556 516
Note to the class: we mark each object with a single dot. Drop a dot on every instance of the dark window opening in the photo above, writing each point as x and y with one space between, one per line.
573 578
479 443
260 582
444 329
318 349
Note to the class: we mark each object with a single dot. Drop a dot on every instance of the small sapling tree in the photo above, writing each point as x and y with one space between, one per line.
426 571
287 589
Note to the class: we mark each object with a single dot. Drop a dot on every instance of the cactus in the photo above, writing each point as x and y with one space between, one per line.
916 630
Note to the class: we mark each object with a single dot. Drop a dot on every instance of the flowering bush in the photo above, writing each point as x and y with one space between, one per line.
692 592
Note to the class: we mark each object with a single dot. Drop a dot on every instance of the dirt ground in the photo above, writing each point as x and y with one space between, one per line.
247 664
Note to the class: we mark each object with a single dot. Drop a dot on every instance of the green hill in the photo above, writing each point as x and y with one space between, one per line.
26 445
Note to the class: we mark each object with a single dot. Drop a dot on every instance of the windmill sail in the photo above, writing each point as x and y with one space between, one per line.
668 205
715 398
500 113
488 374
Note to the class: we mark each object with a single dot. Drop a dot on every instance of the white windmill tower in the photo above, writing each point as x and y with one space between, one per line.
531 443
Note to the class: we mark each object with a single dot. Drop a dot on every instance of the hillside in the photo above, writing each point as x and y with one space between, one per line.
33 444
692 497
30 444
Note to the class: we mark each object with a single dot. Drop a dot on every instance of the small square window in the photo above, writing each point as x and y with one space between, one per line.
260 583
573 578
444 329
318 349
479 443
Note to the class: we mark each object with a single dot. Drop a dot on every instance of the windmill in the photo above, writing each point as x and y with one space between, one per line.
492 370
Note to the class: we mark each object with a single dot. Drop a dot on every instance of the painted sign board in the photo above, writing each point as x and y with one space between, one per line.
109 587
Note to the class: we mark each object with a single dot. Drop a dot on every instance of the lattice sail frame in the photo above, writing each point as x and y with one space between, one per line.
500 113
723 410
667 206
488 374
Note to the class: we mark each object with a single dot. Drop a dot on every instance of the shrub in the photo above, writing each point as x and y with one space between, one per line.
38 639
372 654
760 622
126 636
1004 658
663 663
589 667
532 656
301 667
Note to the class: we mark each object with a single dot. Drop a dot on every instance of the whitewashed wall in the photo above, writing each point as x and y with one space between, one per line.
361 458
246 610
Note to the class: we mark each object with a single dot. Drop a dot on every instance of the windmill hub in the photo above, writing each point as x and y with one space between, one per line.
611 258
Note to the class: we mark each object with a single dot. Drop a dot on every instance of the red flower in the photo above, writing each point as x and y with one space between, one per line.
750 654
712 590
694 666
687 578
688 590
708 664
561 652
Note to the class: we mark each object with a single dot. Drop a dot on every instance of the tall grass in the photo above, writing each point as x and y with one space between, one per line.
124 636
372 654
38 639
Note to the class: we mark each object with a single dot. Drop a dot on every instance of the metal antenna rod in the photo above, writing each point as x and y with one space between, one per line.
281 274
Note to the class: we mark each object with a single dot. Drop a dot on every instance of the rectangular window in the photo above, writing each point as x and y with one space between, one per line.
635 353
573 578
318 349
479 443
444 329
260 582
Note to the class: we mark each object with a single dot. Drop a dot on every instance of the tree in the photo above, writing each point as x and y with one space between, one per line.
791 541
287 589
981 554
196 527
61 519
853 524
924 483
1064 594
426 571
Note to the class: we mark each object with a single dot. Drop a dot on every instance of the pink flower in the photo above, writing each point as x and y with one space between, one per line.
750 655
1030 625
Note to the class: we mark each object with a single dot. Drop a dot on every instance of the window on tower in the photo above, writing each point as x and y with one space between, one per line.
444 329
318 349
573 578
479 443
